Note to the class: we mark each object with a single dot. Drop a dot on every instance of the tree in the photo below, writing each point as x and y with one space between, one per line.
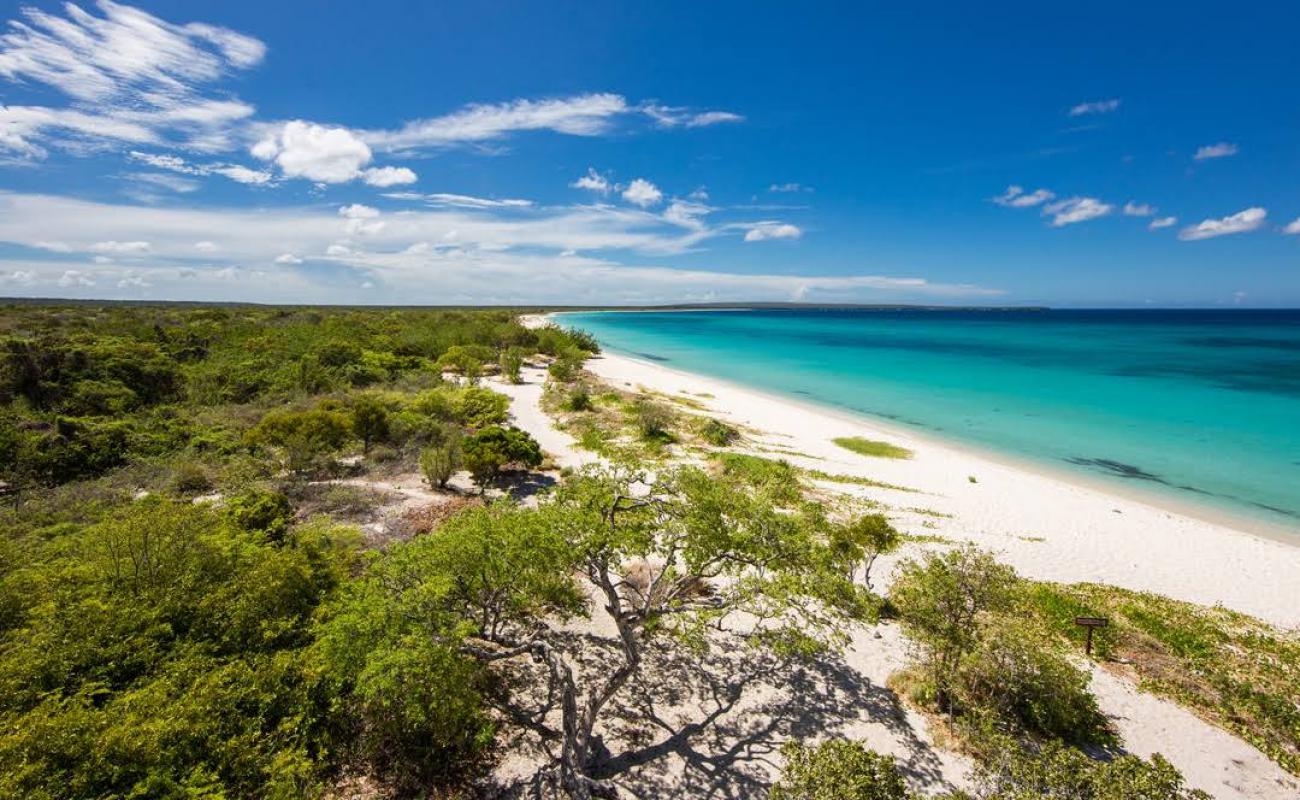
860 542
369 421
487 452
667 557
942 602
838 770
440 460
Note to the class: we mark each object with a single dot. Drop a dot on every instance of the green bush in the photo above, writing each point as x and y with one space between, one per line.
487 452
261 510
190 478
777 479
577 399
306 437
653 421
440 460
718 433
838 770
870 447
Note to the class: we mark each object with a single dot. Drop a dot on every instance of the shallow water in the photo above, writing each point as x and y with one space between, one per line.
1201 405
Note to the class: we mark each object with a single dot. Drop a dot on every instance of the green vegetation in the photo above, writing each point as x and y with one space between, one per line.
871 447
718 433
979 663
486 453
843 770
817 474
1231 669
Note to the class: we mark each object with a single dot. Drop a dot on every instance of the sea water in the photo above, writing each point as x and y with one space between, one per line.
1199 405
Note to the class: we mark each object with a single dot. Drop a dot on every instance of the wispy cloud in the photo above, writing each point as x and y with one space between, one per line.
1016 197
1132 209
1076 209
447 200
789 187
763 231
672 117
593 181
479 255
235 172
1220 150
1095 107
1241 222
1162 222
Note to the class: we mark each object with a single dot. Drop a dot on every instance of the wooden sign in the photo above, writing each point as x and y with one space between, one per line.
1090 623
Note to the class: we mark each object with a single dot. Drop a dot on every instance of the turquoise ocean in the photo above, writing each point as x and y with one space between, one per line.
1199 406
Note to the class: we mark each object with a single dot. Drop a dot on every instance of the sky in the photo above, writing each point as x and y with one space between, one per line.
1077 155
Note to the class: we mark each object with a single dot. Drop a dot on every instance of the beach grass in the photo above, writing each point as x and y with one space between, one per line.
872 448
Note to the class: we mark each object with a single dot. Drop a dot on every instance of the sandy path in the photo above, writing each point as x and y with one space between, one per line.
526 412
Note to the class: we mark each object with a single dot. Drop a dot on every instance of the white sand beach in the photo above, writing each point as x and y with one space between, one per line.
1043 525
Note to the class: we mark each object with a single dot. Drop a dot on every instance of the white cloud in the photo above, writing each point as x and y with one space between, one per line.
384 177
593 181
687 214
1220 150
287 258
424 255
1293 228
789 187
581 115
173 182
206 246
762 231
1015 197
674 116
446 199
242 174
315 152
1241 222
133 279
129 76
75 278
1162 222
19 277
1132 209
235 172
1076 209
643 193
125 248
1095 107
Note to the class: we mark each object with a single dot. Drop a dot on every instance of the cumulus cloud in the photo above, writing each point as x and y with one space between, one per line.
643 193
763 231
1132 209
1241 222
288 259
1292 228
75 278
384 177
1016 197
1162 222
1095 107
593 181
1220 150
315 152
1076 209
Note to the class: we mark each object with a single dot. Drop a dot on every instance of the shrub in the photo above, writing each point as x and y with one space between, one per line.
440 460
305 436
578 398
777 479
653 421
190 478
261 510
369 421
512 361
1012 772
476 407
718 433
838 770
486 453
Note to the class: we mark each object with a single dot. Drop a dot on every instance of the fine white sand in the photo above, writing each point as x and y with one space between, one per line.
1045 526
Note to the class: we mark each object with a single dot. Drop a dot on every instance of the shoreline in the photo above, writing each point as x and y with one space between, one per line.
1264 525
1049 525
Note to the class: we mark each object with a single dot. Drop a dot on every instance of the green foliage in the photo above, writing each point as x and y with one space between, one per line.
718 433
369 420
578 398
860 541
777 479
653 420
871 447
440 460
261 510
1053 769
189 478
944 602
489 451
162 655
511 362
477 407
305 437
838 770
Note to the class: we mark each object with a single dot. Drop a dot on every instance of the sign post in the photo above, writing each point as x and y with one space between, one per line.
1090 623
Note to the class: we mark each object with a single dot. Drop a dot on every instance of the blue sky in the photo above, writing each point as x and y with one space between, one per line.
1118 154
